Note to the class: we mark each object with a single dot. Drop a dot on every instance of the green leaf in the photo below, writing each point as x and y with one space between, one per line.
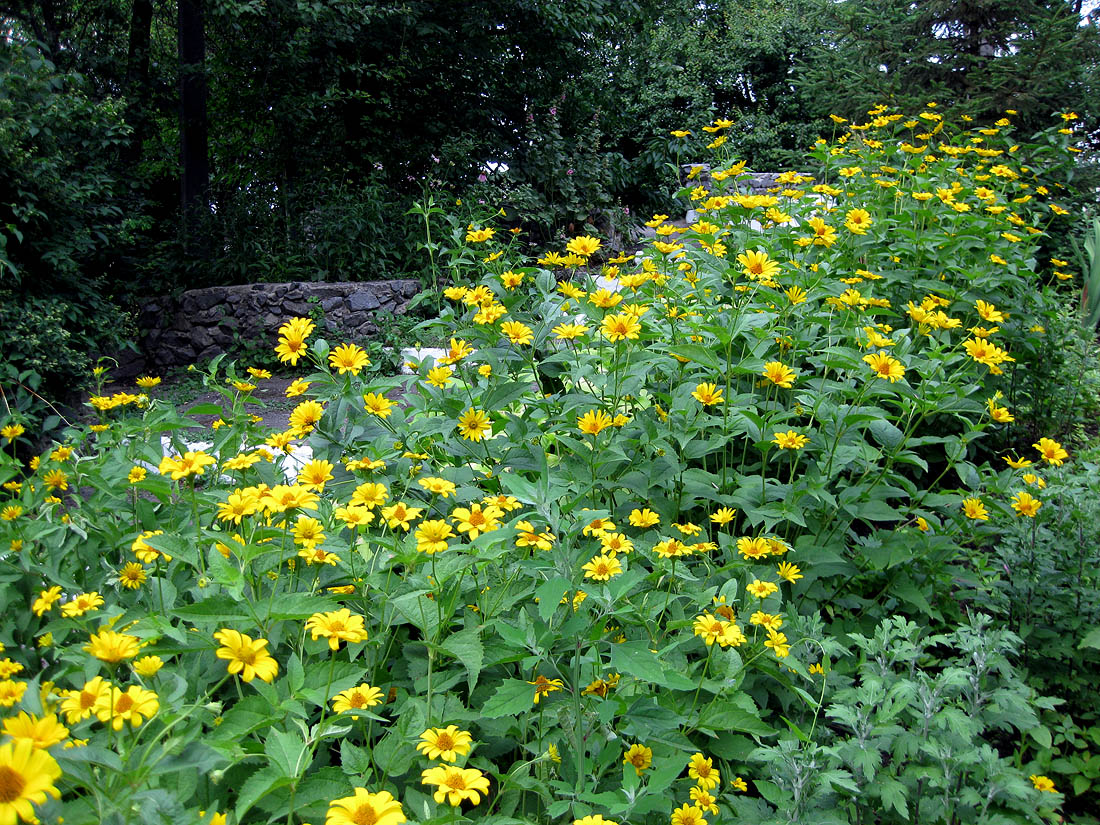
257 786
354 759
1092 639
465 645
725 716
287 752
512 698
549 595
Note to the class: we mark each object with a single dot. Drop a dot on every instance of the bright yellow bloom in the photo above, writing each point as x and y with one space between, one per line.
245 656
11 692
1025 504
639 757
761 589
702 770
518 333
885 366
400 515
974 509
81 604
377 404
790 440
134 705
474 424
337 626
456 784
432 535
348 358
593 422
790 572
602 568
583 245
447 743
27 777
643 518
857 221
41 733
357 698
779 374
147 666
112 647
1052 452
46 600
474 520
440 376
1042 783
757 265
439 486
708 394
620 327
365 807
688 815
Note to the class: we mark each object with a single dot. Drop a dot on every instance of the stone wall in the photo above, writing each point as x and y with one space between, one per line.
202 323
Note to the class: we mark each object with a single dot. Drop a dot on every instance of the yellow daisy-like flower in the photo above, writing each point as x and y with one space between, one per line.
245 656
27 776
885 366
456 784
348 358
593 819
46 600
602 568
789 572
365 807
702 770
440 376
974 509
643 518
439 486
296 388
688 815
400 515
377 404
638 757
474 424
42 733
761 589
474 520
620 327
357 698
1026 504
518 333
790 440
337 626
134 705
779 374
147 666
757 265
543 686
593 422
432 535
583 245
447 743
81 605
112 647
11 692
136 474
1051 451
1042 783
778 643
708 394
568 332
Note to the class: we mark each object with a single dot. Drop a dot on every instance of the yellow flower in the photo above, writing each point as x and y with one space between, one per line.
27 776
1025 504
377 404
1042 783
41 733
348 358
475 521
593 819
112 647
593 422
133 705
757 265
790 440
447 743
885 366
974 509
643 518
11 692
357 698
779 374
456 784
544 686
790 572
440 376
56 479
761 589
432 535
147 666
297 387
479 235
583 245
10 432
688 815
857 221
1051 451
337 626
708 394
474 424
739 784
400 515
723 515
81 604
46 600
365 807
602 568
518 333
439 486
567 332
639 757
621 326
190 463
778 643
245 656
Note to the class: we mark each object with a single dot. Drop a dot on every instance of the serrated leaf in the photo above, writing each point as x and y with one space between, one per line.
287 752
466 646
256 787
512 698
549 595
1092 639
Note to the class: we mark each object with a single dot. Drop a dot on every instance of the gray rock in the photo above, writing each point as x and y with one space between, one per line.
363 300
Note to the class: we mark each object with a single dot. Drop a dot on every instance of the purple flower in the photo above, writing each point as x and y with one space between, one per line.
569 171
482 178
553 110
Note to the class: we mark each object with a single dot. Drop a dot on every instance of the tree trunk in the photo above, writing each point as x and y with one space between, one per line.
137 80
194 160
